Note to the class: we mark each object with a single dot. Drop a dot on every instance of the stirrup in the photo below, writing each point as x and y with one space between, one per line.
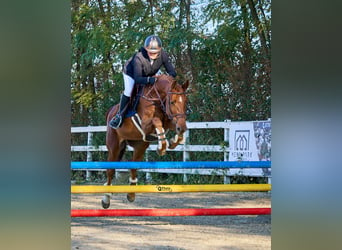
116 122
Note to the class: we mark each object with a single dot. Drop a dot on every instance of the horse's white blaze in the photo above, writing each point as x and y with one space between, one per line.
180 99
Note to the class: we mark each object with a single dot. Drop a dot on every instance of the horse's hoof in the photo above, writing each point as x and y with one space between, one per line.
131 197
105 205
161 152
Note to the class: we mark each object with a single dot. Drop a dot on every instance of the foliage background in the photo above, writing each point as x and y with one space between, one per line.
223 47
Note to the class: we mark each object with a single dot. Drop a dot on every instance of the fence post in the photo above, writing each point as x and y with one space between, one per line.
226 178
186 155
89 154
226 140
148 176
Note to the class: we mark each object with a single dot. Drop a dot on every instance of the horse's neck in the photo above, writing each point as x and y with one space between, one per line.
156 96
157 91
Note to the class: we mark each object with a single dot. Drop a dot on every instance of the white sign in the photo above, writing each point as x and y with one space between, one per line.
242 142
250 141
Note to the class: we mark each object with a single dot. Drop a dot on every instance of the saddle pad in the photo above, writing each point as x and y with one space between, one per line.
130 113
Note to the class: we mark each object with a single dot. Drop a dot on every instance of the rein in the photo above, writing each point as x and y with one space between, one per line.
167 100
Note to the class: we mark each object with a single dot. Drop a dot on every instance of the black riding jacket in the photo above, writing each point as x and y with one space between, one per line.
139 66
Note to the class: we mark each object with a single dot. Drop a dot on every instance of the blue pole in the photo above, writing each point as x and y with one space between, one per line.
170 165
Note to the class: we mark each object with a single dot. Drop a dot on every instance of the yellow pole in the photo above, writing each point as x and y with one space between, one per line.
171 188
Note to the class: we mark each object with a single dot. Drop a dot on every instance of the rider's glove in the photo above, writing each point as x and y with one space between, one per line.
151 80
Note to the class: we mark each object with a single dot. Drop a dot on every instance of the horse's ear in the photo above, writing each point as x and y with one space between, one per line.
186 85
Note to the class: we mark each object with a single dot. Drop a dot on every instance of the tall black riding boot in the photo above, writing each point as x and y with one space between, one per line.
116 122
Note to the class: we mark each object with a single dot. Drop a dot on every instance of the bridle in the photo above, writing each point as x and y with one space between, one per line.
168 106
165 103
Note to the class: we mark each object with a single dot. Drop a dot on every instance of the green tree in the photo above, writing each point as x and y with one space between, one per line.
224 47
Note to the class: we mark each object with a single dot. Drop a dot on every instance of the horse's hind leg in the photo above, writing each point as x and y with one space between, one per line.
133 180
106 198
115 153
138 155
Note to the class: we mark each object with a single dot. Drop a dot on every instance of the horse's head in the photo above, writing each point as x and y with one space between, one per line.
176 105
173 100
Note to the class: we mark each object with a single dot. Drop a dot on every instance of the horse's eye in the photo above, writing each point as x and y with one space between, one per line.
173 102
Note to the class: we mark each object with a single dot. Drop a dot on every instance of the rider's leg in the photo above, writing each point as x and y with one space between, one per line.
116 122
137 97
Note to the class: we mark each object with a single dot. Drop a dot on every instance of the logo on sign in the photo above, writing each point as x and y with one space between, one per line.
241 140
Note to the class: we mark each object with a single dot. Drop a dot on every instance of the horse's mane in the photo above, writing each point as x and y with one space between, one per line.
166 77
169 79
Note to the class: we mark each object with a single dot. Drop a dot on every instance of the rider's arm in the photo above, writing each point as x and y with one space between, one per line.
139 78
167 64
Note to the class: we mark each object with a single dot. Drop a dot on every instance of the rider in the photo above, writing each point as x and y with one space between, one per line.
141 69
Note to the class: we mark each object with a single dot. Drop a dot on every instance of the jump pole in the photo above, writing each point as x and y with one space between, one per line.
169 165
169 212
171 188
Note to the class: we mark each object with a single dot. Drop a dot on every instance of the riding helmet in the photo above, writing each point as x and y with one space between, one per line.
153 44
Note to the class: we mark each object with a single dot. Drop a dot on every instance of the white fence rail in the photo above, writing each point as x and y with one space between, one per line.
186 148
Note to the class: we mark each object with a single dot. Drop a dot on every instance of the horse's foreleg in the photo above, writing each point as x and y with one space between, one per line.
178 139
133 180
162 140
163 143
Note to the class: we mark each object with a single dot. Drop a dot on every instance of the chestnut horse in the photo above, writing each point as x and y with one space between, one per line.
162 107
